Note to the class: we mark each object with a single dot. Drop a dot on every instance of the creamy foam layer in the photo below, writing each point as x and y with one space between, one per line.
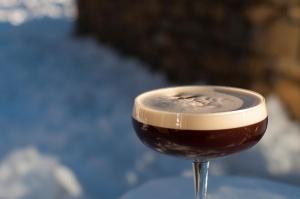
200 108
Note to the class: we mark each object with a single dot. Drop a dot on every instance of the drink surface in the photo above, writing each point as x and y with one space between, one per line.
199 108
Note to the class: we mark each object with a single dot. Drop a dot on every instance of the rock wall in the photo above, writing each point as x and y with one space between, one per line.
251 43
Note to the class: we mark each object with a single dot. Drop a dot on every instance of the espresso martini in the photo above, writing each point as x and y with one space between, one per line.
200 122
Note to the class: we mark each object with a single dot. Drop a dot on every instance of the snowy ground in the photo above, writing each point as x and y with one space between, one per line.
218 188
71 98
27 174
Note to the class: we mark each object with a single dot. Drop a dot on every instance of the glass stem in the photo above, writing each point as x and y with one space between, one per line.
200 178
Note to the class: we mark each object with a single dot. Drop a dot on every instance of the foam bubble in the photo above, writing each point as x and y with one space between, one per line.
200 107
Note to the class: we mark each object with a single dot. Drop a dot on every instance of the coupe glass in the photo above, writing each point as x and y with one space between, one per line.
200 123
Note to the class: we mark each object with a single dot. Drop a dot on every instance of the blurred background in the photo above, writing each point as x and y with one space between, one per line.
69 71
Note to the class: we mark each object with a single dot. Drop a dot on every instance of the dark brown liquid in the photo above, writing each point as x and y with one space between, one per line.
200 144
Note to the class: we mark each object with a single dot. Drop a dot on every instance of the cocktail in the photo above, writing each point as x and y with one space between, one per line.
200 123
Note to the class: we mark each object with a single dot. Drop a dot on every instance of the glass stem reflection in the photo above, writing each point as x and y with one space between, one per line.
200 178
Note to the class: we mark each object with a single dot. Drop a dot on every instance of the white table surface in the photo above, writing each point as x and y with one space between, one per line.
218 188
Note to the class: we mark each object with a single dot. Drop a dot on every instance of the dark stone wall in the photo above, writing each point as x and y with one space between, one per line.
245 43
189 40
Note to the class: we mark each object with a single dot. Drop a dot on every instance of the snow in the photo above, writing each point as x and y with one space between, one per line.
59 94
27 174
281 159
218 188
71 98
17 12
